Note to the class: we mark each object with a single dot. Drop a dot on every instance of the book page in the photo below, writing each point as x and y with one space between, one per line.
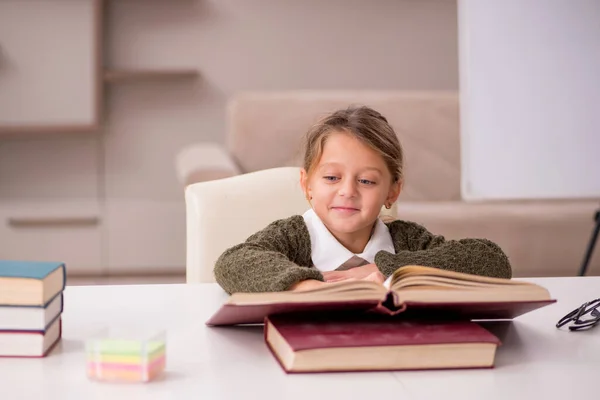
426 272
426 284
342 291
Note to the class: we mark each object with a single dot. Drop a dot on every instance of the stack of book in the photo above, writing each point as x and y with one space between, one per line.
424 319
31 304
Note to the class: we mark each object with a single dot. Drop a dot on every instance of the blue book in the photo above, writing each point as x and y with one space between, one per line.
30 283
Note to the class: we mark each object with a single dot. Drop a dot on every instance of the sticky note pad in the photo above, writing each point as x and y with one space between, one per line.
125 360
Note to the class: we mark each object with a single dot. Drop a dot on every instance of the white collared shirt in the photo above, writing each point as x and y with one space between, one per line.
328 254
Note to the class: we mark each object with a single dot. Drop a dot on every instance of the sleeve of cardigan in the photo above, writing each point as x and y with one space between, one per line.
267 261
416 246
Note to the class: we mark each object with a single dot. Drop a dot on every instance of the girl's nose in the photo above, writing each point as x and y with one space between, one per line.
347 188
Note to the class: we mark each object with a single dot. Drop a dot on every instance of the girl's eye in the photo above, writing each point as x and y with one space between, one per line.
330 178
366 182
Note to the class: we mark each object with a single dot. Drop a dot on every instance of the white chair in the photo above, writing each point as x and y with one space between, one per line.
224 212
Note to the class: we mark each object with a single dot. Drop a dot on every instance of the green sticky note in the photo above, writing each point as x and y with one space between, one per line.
126 347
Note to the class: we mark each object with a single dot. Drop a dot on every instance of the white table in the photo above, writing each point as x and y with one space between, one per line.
536 360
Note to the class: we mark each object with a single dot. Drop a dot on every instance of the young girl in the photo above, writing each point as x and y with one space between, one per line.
353 166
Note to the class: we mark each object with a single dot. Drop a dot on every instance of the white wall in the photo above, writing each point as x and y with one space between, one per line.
530 98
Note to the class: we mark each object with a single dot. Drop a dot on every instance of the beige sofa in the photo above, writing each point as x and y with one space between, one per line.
541 238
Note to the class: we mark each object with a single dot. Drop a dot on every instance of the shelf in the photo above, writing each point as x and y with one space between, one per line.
129 75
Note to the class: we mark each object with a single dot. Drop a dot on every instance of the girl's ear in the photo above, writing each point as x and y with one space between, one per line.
394 192
304 184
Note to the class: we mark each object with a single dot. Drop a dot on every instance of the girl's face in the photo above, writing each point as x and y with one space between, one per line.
349 186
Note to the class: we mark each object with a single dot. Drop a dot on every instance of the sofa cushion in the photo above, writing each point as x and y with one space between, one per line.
266 129
541 238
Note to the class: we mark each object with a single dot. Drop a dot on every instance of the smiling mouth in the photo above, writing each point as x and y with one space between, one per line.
345 209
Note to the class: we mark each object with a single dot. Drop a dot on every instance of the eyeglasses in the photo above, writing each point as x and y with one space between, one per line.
584 317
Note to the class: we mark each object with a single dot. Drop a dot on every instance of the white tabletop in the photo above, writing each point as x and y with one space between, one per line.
535 361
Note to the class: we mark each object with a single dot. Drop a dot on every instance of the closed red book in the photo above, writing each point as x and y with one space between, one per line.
326 344
414 290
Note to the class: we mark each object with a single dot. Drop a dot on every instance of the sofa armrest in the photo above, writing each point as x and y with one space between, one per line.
204 162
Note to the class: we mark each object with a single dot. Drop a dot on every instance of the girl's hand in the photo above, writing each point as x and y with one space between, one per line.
368 272
307 284
375 277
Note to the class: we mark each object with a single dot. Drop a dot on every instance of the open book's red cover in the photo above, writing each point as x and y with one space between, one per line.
230 314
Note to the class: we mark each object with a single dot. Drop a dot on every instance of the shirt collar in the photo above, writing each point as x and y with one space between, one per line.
328 254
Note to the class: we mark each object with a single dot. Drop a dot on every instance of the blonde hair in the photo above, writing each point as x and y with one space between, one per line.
364 124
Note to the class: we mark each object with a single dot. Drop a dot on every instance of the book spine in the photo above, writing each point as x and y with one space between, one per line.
390 305
64 271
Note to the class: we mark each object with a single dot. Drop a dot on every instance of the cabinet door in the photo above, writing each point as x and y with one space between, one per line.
49 65
145 236
68 232
50 201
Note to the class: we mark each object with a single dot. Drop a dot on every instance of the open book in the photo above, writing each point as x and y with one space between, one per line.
415 290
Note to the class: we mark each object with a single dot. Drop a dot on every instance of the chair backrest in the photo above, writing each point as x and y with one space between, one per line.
225 212
265 131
